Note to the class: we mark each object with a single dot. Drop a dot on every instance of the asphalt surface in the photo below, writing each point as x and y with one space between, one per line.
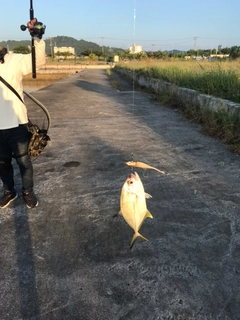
69 258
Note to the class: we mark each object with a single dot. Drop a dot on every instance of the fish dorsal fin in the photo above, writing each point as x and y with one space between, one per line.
147 195
148 215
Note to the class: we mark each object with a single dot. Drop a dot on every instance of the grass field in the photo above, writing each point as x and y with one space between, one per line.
217 78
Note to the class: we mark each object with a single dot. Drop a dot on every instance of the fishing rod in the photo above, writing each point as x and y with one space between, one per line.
34 75
37 31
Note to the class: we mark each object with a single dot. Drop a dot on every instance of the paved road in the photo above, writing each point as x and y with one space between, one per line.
69 258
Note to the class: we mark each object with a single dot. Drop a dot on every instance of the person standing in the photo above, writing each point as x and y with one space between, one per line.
14 134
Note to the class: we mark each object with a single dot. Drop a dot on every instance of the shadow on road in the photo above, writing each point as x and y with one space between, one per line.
28 295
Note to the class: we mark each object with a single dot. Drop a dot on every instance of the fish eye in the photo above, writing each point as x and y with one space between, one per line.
131 182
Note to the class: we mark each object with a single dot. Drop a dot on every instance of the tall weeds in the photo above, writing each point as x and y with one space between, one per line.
219 79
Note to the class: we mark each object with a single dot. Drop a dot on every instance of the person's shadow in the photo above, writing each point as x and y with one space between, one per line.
28 295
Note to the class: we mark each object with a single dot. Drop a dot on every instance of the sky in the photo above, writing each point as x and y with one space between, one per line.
153 24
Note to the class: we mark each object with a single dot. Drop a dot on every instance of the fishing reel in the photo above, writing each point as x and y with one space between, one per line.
37 31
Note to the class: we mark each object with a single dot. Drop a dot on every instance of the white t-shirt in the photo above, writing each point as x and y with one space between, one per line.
12 111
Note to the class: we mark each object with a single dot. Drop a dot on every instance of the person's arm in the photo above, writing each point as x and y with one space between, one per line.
25 60
40 52
39 44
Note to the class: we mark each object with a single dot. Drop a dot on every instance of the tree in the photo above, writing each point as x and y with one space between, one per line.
64 54
160 55
226 50
235 52
140 56
127 54
86 52
121 55
93 57
21 49
191 52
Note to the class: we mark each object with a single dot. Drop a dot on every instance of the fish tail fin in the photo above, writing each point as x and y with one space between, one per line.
162 172
156 169
135 236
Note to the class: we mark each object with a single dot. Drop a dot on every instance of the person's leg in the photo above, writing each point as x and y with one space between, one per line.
26 170
18 141
6 169
6 172
19 144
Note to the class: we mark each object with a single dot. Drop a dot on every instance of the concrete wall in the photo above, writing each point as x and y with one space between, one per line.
184 95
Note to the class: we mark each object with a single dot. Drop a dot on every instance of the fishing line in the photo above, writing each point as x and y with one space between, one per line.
133 71
133 77
131 168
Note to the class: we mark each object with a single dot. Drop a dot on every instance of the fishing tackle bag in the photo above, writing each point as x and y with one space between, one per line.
38 139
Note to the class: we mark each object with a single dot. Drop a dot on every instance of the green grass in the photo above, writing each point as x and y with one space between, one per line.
219 79
218 124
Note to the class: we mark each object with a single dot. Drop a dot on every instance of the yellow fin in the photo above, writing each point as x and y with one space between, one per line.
148 215
135 236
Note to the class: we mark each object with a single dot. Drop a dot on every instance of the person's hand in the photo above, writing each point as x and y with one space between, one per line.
36 29
31 24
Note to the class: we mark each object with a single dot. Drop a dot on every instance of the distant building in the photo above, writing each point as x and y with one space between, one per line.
219 55
116 58
64 49
135 49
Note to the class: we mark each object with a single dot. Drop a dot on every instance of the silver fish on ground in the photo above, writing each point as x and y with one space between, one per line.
133 204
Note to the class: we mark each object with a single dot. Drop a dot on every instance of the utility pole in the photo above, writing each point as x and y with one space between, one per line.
152 47
195 43
102 45
51 45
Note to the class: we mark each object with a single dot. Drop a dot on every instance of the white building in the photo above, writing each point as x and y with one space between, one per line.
64 49
135 48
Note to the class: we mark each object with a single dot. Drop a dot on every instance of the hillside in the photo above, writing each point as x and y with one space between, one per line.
62 41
